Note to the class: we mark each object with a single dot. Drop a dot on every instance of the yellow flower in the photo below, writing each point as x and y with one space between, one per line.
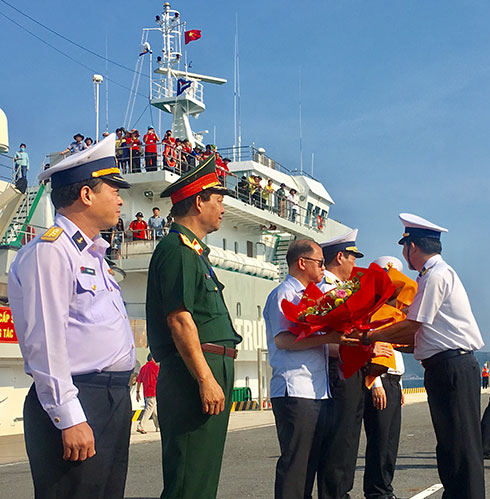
339 301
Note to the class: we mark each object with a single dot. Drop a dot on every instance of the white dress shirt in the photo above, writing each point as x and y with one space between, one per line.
69 317
299 373
442 306
400 369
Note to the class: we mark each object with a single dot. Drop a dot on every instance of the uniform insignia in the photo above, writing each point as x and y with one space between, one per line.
87 270
52 234
110 271
79 240
194 245
423 272
94 287
328 280
207 276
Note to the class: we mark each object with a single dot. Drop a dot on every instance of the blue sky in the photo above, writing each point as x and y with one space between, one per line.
395 101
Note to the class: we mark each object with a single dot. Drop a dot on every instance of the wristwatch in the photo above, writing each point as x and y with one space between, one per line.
365 338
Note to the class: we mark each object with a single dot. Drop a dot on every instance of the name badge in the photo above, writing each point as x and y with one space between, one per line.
87 270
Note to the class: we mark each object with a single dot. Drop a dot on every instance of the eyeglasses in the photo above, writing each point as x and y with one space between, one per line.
319 262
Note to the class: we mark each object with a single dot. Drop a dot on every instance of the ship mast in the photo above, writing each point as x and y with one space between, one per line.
167 94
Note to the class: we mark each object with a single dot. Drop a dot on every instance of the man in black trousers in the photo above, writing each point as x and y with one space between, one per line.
75 336
442 327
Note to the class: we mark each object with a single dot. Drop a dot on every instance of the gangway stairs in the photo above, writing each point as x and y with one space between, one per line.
280 250
18 229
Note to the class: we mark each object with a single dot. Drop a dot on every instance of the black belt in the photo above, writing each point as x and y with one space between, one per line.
394 377
105 378
219 350
447 354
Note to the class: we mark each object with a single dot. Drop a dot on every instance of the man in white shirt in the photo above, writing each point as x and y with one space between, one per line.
75 336
382 420
441 325
299 384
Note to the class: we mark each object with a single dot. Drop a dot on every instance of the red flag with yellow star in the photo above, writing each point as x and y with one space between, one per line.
192 35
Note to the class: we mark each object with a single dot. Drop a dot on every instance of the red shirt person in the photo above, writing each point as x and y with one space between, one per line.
151 139
147 377
139 228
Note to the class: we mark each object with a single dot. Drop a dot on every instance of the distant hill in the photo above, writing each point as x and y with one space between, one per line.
414 370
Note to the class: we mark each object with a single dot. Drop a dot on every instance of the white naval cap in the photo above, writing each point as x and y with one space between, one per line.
98 161
419 227
346 242
385 262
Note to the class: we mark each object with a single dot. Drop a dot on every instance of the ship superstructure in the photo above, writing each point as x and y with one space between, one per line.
248 252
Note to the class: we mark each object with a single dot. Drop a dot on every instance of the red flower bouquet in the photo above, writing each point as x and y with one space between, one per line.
348 306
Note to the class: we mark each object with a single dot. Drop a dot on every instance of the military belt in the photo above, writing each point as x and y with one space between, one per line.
219 350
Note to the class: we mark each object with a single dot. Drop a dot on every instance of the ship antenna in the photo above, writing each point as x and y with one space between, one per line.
237 117
300 128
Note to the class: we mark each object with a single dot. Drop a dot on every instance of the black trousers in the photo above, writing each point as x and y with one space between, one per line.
108 411
300 425
382 437
485 430
151 161
341 442
453 390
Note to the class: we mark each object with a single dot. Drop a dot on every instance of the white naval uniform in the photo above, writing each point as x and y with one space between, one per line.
452 377
69 317
442 306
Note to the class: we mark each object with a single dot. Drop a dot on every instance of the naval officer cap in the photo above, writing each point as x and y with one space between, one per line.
385 262
416 226
346 242
98 161
203 178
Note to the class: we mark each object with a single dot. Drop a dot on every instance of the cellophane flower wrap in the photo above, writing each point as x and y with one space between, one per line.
362 295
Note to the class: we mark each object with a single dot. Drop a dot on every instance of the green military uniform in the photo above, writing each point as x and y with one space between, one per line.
181 276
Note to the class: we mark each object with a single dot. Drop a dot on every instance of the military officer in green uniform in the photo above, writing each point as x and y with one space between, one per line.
191 334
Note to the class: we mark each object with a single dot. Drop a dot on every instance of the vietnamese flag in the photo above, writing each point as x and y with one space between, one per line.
193 34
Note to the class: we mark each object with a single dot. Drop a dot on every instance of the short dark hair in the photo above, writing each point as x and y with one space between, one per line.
155 208
299 248
22 145
427 245
181 208
329 256
66 195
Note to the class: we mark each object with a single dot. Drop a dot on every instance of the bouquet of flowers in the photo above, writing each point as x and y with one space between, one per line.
350 305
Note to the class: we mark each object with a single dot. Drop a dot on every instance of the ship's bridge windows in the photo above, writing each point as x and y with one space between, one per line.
250 249
224 244
309 209
238 309
236 247
316 212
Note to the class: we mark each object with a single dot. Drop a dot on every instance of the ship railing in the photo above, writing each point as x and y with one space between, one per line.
135 159
251 153
130 243
21 232
250 193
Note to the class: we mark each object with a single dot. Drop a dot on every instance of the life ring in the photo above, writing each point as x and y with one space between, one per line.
169 154
319 222
29 234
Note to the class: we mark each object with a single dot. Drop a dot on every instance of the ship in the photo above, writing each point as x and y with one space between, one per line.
248 252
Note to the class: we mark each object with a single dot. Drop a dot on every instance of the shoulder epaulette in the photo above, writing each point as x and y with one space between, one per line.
194 245
328 280
52 234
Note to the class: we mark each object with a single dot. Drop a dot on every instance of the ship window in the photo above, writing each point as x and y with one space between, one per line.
308 213
259 312
224 244
250 249
236 247
324 215
238 309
